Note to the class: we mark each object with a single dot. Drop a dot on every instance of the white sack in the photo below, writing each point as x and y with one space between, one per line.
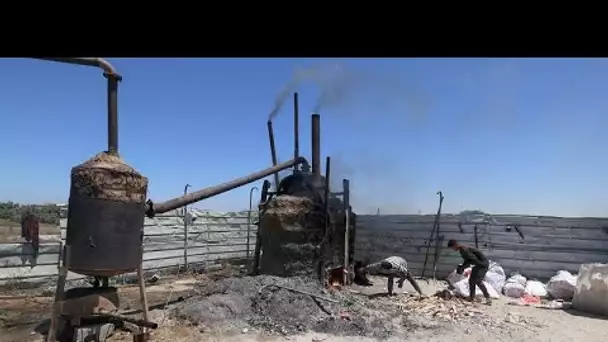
562 285
460 283
462 288
515 286
517 278
536 288
496 276
454 277
514 290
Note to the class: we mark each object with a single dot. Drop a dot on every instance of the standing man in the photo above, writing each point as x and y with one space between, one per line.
392 267
473 256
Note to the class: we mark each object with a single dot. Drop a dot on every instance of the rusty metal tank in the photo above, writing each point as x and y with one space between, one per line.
105 217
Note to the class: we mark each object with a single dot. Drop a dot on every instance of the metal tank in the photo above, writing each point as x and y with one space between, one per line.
108 204
105 217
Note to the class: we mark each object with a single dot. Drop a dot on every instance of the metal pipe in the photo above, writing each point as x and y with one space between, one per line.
178 202
258 234
327 236
186 229
112 112
346 200
316 144
327 174
433 232
296 128
249 219
273 152
113 79
139 322
88 61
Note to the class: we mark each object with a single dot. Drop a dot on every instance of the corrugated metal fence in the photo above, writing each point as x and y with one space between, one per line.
549 244
212 237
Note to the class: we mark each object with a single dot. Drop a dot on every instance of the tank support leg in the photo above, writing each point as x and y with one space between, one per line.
59 293
142 293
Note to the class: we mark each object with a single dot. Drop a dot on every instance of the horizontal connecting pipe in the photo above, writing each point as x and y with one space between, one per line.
163 207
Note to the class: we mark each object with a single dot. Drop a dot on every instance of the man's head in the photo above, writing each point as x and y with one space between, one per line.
453 244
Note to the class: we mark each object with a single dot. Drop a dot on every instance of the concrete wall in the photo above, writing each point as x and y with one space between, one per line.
549 244
212 237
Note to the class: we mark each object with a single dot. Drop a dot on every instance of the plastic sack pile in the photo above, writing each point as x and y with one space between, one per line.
562 286
492 281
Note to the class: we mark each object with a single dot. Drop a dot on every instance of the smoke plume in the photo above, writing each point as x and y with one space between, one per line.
373 176
332 80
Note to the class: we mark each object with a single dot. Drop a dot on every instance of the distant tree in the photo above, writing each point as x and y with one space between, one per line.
46 213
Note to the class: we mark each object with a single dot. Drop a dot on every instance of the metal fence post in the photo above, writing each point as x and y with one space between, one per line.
249 219
186 230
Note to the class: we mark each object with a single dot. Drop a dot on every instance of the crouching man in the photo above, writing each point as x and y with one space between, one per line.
392 267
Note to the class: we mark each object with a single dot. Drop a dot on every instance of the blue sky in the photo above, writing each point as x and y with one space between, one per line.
500 135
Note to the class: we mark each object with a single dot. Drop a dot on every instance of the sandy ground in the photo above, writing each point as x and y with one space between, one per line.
20 316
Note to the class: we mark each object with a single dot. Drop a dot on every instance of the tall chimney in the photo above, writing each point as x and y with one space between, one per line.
296 129
316 144
273 152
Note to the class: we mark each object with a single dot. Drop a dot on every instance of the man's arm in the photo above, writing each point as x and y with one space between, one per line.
412 281
466 263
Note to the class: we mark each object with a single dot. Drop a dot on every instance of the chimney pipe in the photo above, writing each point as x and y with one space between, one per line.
296 129
273 153
316 144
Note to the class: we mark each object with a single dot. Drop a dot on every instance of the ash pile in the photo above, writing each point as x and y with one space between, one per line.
289 306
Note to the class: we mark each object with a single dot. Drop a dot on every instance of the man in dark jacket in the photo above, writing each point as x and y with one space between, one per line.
473 256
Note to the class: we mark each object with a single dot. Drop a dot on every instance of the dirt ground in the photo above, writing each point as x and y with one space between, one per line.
20 317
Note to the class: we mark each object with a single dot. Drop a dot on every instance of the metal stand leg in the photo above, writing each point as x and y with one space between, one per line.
55 311
142 293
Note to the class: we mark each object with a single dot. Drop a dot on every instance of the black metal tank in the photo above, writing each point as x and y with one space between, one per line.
105 217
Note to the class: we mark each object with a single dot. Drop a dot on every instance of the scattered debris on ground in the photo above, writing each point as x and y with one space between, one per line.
288 306
268 308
